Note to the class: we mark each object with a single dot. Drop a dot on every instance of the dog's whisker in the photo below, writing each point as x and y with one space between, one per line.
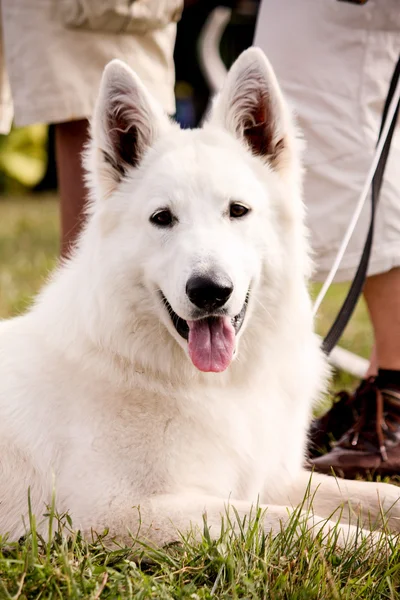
266 310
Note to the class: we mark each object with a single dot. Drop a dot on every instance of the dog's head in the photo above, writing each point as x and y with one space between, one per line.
194 222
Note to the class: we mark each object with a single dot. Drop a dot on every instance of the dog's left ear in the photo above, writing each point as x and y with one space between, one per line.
252 108
126 122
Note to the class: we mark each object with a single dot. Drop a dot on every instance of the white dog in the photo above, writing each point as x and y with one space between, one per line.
170 366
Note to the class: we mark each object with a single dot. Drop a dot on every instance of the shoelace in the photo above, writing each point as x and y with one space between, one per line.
368 391
341 400
365 394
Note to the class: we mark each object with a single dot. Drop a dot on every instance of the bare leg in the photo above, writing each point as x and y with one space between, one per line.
373 364
374 446
382 294
70 140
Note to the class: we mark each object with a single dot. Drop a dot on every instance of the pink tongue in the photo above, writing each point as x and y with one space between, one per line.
211 343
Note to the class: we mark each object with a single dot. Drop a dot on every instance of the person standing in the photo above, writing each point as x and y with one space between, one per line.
52 55
334 60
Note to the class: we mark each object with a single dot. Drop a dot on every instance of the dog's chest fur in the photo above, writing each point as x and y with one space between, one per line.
146 443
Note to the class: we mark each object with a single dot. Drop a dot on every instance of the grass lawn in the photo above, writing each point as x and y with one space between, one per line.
241 565
29 234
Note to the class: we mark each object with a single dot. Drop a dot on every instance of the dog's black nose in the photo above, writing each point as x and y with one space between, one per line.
209 293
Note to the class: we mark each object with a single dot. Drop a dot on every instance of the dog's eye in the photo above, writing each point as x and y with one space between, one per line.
162 218
237 210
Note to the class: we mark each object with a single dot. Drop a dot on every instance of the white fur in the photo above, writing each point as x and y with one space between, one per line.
96 387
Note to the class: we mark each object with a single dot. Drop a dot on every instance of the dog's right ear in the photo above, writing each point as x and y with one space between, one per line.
126 122
251 107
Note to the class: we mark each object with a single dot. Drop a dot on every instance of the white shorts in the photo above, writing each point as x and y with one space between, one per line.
51 74
334 61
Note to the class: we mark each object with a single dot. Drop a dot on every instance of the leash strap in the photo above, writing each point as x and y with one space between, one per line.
357 285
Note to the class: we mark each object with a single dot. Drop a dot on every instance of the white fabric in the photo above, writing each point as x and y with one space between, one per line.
54 71
334 61
118 16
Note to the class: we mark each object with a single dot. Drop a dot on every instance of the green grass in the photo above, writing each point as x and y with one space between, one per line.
241 563
29 242
238 565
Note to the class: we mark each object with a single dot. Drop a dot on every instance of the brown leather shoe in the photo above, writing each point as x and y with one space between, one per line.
372 443
329 428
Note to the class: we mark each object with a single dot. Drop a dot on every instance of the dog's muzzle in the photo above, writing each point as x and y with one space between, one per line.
211 338
182 326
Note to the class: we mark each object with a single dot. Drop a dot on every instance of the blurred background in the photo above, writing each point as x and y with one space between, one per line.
29 217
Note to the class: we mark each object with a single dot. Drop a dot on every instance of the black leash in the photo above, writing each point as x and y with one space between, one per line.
357 285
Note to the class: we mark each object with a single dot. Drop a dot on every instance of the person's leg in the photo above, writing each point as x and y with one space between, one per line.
70 140
373 363
372 413
382 295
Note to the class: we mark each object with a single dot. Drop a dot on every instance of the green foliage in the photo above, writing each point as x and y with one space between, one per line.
29 244
22 157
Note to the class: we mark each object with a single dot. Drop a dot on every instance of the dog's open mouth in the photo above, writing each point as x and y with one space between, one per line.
211 340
